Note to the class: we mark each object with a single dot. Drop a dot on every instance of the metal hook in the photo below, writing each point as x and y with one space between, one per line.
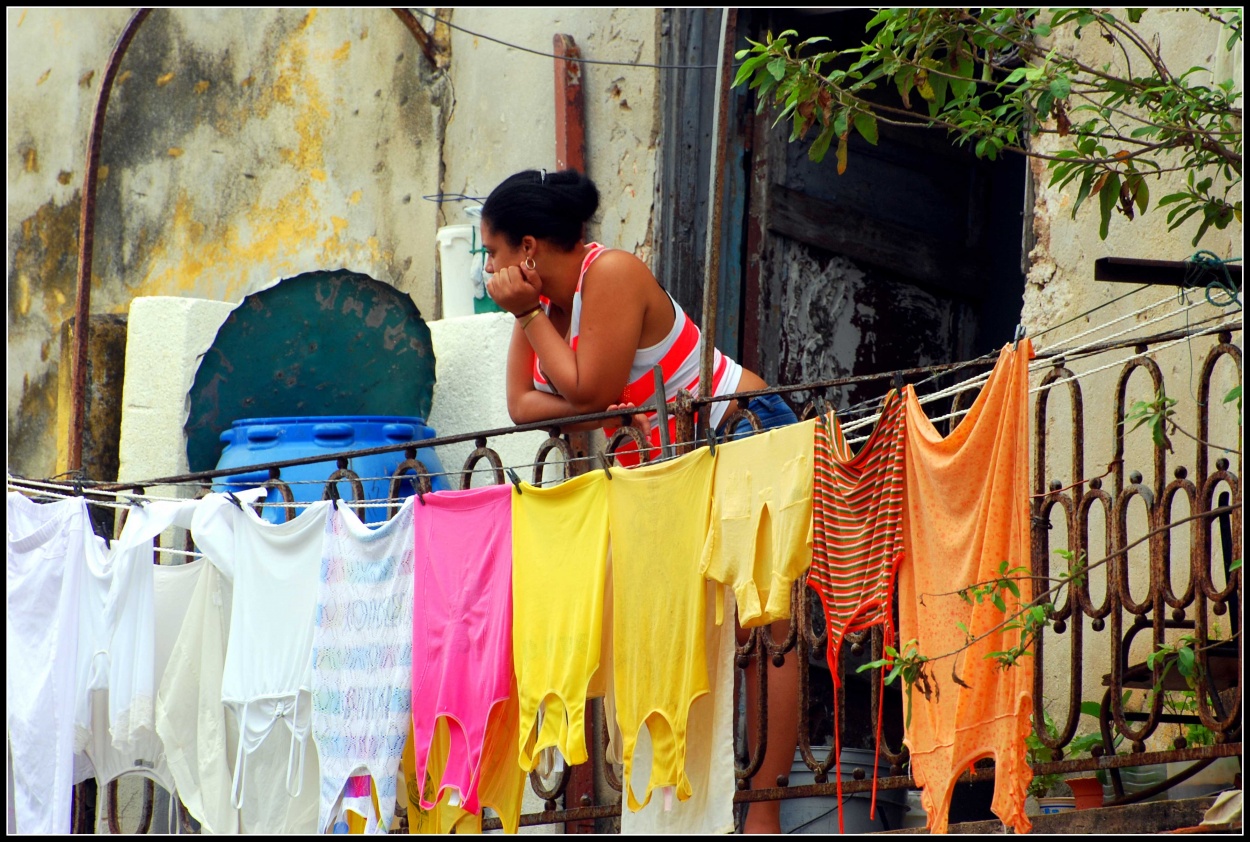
604 459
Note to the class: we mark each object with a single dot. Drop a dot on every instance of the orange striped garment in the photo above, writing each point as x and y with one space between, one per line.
857 510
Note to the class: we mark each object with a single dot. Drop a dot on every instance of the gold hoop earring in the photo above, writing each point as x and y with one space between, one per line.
530 264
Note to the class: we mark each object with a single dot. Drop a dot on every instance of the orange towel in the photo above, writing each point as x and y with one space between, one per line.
965 512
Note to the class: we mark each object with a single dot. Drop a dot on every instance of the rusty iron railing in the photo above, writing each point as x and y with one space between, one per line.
1061 506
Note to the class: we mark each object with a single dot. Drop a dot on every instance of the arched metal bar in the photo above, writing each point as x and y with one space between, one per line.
358 488
627 433
553 442
275 481
742 414
422 480
480 452
1040 432
1119 431
1225 348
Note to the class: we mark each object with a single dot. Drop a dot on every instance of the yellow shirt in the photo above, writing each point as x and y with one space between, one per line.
559 564
659 519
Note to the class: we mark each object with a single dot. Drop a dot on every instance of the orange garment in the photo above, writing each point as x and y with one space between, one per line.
965 512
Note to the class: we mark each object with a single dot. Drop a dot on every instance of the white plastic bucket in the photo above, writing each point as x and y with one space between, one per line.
455 257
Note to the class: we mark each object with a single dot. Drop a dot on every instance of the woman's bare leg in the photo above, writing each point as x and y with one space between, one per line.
783 730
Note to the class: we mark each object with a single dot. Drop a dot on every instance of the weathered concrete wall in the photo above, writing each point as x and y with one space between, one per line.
1061 286
240 146
503 118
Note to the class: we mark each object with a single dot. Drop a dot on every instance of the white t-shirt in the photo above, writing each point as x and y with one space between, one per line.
267 677
45 553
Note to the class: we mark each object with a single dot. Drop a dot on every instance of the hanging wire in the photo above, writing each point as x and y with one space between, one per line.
512 46
204 484
453 197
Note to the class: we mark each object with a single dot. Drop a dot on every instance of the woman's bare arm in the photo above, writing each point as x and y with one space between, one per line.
593 376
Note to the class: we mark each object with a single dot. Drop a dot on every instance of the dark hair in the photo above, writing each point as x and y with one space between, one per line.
549 206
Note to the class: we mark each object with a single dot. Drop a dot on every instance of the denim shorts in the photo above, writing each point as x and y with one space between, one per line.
772 411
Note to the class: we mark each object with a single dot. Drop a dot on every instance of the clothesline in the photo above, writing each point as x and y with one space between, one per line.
1038 365
986 359
850 426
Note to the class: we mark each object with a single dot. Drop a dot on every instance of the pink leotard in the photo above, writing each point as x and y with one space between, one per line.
461 629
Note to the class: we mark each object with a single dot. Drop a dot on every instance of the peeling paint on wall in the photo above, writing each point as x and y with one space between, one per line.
240 146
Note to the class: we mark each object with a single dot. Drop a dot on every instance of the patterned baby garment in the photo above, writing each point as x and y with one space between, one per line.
966 512
858 537
362 661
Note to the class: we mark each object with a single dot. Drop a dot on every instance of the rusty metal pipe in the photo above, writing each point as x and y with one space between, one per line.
716 193
86 239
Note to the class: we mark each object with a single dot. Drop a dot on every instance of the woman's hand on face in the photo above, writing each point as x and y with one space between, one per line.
515 289
639 420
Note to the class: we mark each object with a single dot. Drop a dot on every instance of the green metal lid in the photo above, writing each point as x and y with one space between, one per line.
321 343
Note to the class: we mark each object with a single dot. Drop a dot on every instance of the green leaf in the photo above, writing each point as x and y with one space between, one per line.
1091 709
841 153
1185 660
963 87
1087 182
748 68
1134 15
866 125
821 145
1060 87
1011 586
1107 198
998 602
777 67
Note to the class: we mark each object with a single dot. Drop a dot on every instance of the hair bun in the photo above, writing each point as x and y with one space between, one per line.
577 191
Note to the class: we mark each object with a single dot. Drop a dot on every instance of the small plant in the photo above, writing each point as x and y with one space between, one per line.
1039 752
1155 415
911 666
1185 702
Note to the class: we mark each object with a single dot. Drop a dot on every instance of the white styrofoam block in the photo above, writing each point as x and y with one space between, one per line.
470 394
166 336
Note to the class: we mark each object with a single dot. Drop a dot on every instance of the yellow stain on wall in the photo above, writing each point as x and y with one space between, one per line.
23 293
221 254
123 76
30 159
162 81
85 79
102 173
341 52
175 152
64 176
44 77
201 86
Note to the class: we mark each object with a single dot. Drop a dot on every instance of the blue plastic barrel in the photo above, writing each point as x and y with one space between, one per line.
258 441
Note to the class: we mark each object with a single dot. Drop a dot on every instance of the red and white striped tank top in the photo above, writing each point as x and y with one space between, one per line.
678 355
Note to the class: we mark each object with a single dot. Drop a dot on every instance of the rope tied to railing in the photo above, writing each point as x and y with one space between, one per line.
1204 264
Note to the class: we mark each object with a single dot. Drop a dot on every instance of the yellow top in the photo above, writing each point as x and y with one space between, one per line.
559 564
760 538
659 520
